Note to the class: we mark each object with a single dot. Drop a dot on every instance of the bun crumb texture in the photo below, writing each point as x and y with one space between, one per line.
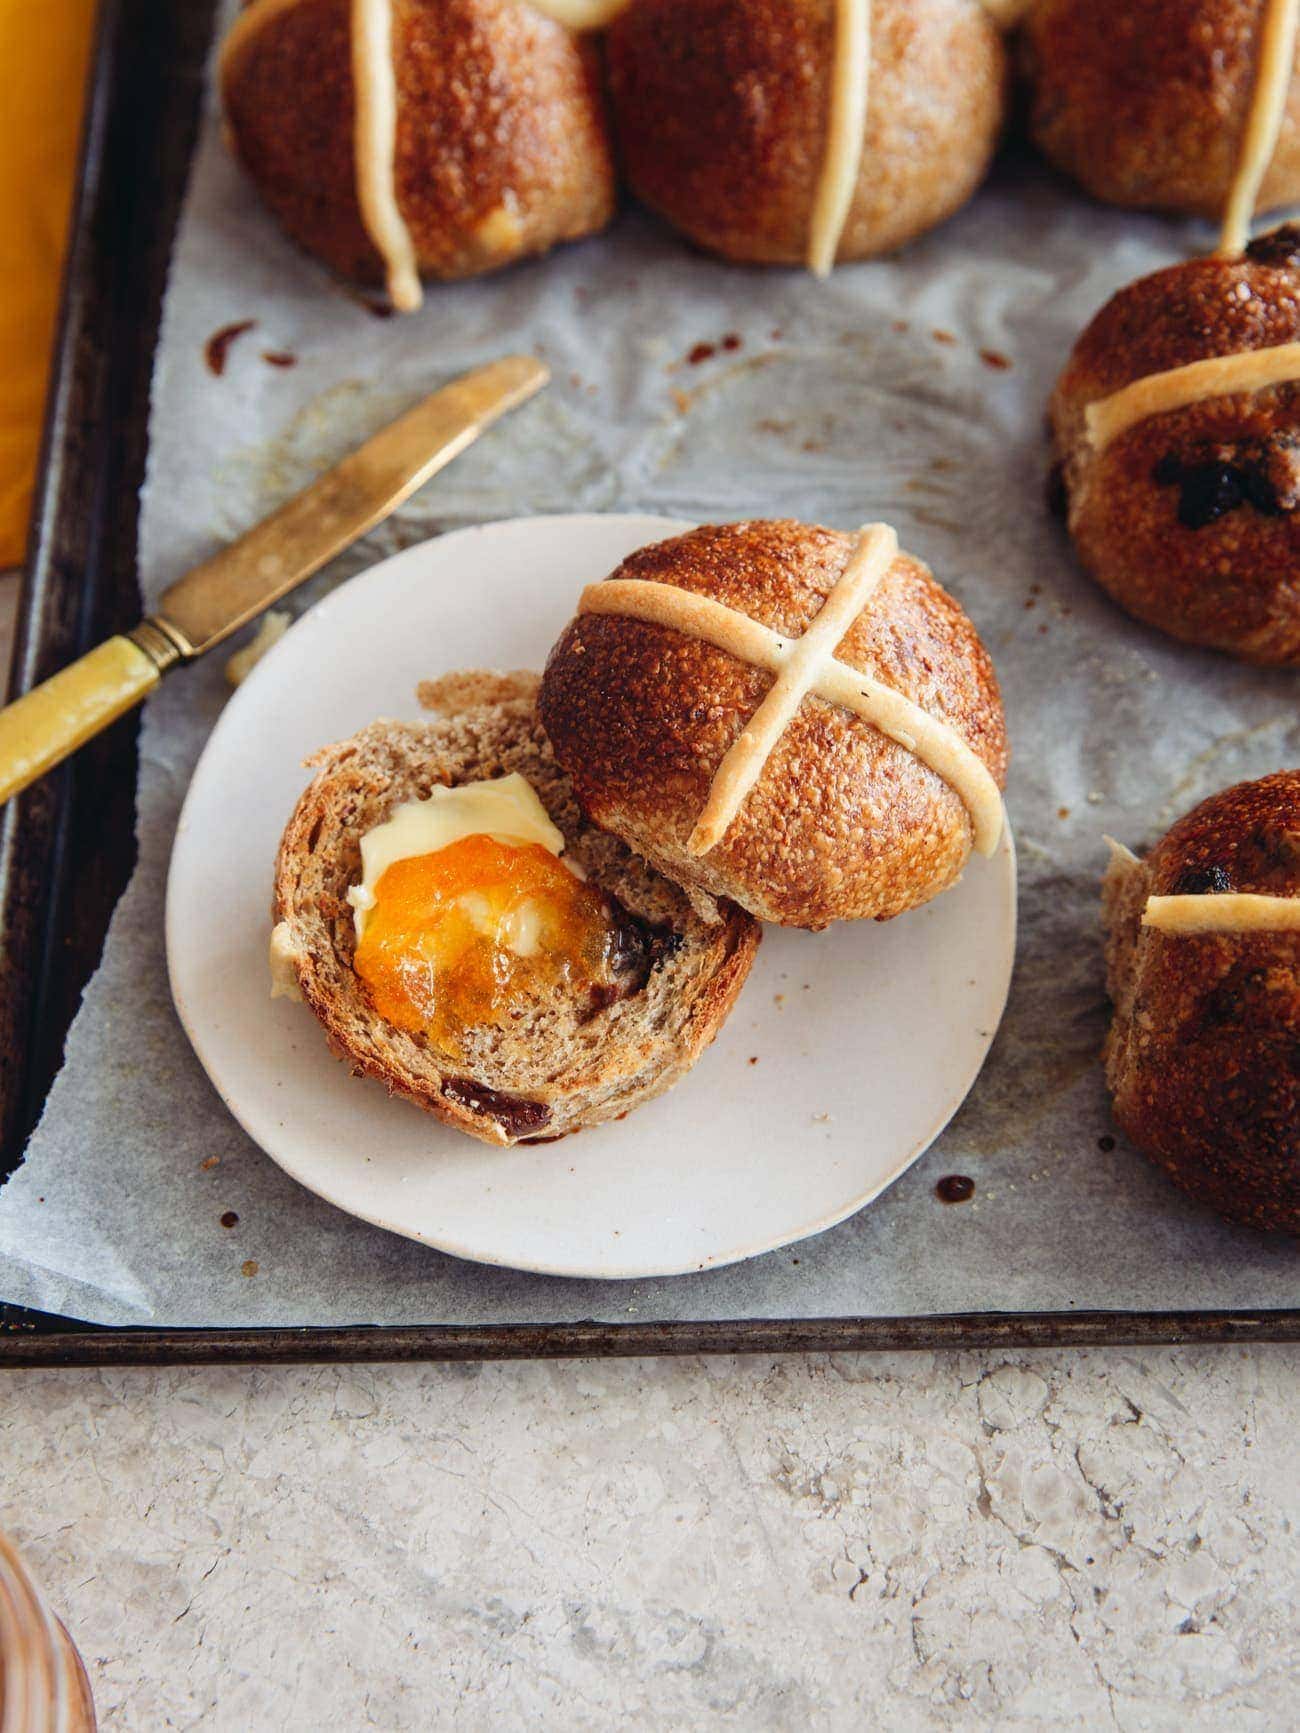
559 1061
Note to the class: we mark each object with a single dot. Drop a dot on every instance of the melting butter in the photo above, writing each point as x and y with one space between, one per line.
506 808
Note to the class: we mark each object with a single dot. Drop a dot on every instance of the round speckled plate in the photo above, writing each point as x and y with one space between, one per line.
847 1053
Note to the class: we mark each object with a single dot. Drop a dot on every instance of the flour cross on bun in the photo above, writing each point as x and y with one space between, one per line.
374 81
846 133
1222 912
1177 464
1277 47
846 126
799 720
1203 1052
439 136
1247 371
806 666
806 131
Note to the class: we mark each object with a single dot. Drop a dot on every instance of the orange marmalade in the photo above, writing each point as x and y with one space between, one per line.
466 936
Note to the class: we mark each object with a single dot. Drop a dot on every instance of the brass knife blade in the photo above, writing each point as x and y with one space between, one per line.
40 729
225 592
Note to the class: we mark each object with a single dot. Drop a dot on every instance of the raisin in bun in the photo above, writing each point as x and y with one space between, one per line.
721 704
400 138
502 1045
727 126
1203 1057
1149 103
1184 506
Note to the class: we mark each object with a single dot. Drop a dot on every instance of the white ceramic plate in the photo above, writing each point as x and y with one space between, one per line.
846 1055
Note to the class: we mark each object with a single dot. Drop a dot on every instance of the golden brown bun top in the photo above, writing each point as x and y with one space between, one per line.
1245 838
1120 57
501 144
722 109
1191 312
842 823
1203 1057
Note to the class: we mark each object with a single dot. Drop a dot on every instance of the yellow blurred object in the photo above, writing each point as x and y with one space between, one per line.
44 48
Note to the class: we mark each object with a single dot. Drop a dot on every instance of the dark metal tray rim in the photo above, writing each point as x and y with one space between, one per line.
45 1341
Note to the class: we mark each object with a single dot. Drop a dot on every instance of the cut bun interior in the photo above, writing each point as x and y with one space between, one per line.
560 1061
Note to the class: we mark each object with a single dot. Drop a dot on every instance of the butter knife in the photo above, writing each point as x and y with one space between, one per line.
216 598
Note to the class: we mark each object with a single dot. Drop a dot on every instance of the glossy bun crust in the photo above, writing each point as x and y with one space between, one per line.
1145 102
843 823
1191 520
502 144
721 108
1203 1057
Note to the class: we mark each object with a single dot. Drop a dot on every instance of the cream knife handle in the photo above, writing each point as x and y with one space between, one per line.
40 729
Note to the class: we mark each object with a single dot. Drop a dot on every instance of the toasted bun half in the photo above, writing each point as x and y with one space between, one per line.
1190 519
842 823
560 1065
1203 1056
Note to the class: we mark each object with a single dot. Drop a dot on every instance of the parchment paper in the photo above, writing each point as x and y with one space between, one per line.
882 393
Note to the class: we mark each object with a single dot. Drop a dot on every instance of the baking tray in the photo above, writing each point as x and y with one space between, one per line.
67 846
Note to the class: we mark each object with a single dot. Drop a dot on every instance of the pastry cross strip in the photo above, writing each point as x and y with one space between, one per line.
374 82
846 128
846 133
806 667
1249 371
1223 912
1277 44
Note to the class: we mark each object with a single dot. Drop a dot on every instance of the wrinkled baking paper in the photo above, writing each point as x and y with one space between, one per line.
883 393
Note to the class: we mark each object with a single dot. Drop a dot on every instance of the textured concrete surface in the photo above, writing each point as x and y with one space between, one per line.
924 1541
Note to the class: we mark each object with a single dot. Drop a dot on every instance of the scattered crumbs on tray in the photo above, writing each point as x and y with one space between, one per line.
995 359
944 337
701 352
229 1219
682 399
279 357
216 351
778 999
209 1162
1063 812
248 1267
753 1059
